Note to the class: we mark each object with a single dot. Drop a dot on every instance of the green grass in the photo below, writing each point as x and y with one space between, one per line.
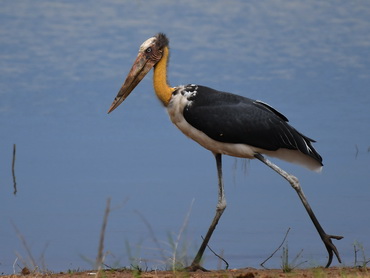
286 265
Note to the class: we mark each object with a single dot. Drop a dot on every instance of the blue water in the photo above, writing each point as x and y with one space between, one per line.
61 65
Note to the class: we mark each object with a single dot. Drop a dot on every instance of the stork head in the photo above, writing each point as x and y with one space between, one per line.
150 53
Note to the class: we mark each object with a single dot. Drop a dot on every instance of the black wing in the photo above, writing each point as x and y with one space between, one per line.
231 118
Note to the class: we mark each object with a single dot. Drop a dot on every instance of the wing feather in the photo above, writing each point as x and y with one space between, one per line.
230 118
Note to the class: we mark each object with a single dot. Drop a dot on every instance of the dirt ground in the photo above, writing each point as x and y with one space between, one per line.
238 273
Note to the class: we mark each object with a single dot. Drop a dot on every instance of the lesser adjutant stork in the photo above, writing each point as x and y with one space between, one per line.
228 124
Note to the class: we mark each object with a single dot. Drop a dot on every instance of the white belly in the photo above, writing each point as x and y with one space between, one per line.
175 110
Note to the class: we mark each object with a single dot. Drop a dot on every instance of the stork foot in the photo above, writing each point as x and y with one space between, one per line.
195 267
327 239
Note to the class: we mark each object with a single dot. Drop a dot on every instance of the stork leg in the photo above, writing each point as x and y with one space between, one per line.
221 205
327 239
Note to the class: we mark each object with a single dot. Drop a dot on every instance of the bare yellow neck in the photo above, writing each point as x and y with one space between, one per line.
161 87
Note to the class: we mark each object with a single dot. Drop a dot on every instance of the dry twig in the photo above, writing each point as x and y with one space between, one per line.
13 170
277 249
100 257
218 256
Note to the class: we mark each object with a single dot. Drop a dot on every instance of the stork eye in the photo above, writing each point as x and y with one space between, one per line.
148 50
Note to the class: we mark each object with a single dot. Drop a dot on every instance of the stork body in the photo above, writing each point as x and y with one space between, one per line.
237 126
228 124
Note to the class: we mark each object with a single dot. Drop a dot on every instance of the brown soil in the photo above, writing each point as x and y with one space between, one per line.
237 273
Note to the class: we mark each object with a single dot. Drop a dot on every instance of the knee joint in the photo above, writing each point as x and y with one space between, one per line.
294 182
221 205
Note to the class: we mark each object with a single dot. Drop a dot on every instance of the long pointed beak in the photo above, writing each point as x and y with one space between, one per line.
140 68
